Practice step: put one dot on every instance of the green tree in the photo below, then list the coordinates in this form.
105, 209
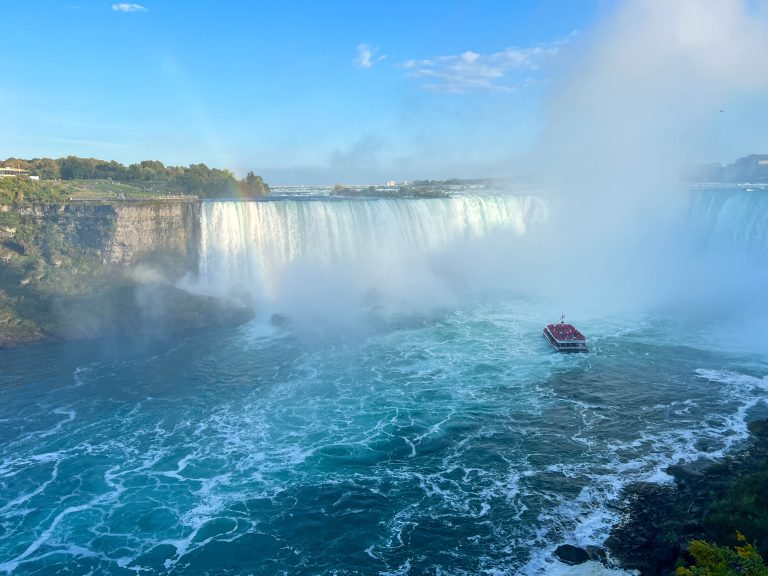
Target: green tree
254, 185
16, 163
45, 168
74, 168
152, 170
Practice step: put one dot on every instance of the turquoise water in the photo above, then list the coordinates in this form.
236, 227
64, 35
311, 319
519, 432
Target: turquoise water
451, 443
406, 420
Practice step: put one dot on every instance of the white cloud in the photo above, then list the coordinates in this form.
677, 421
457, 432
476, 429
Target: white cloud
127, 7
366, 56
474, 71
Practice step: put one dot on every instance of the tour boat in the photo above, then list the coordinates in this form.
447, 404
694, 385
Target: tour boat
565, 337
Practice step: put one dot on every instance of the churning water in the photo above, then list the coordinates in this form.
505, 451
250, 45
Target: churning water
439, 440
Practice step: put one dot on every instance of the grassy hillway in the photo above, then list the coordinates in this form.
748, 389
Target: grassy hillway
16, 192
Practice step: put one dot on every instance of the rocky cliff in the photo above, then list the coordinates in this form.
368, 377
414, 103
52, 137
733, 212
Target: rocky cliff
171, 229
116, 234
84, 270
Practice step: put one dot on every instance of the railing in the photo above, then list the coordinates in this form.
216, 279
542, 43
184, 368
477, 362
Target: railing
123, 198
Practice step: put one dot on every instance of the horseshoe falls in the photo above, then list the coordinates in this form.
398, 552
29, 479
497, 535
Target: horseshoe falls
408, 417
267, 253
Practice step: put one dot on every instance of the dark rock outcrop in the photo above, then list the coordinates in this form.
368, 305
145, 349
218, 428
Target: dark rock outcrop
659, 520
570, 554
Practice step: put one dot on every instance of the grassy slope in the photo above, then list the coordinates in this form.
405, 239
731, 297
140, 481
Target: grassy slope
21, 191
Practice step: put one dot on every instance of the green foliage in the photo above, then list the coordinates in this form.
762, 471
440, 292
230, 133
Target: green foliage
45, 168
9, 219
148, 175
21, 190
72, 167
205, 182
712, 560
423, 191
253, 185
752, 168
388, 192
743, 506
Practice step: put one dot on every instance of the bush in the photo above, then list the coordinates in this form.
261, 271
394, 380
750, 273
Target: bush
712, 560
20, 190
743, 507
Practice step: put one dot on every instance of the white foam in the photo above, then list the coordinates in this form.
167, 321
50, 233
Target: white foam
593, 520
403, 570
11, 565
24, 498
70, 416
589, 568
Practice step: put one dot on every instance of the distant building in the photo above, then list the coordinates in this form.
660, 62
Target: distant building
6, 171
34, 177
762, 162
391, 183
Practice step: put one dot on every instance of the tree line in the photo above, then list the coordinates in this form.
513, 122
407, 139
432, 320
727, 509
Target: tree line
752, 168
195, 179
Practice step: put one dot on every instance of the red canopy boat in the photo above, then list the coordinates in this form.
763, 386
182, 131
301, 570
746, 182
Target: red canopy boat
565, 337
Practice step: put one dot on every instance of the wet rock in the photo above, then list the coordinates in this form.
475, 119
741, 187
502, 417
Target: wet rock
688, 472
612, 542
597, 554
657, 521
569, 554
759, 428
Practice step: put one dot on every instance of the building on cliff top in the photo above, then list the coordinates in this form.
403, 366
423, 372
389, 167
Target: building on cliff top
6, 171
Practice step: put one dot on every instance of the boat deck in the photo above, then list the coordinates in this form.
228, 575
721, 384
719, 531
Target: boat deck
566, 338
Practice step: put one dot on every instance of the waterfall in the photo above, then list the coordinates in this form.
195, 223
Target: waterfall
251, 249
730, 219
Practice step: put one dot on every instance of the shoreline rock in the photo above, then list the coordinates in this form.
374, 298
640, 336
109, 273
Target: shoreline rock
659, 520
571, 555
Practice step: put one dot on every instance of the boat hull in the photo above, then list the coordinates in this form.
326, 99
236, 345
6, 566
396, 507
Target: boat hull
565, 346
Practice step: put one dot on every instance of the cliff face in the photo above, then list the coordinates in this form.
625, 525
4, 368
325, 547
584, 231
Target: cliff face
84, 270
117, 235
140, 231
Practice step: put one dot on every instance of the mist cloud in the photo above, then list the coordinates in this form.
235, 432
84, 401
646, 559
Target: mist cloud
642, 92
638, 97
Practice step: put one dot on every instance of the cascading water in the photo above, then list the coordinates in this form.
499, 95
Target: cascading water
731, 218
726, 273
247, 248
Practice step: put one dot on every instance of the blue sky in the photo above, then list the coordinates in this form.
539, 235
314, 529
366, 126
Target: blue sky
297, 91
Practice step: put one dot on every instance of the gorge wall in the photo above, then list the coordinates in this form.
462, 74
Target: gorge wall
117, 235
84, 270
170, 230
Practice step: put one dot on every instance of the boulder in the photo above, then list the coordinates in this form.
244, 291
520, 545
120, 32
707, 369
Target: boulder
570, 554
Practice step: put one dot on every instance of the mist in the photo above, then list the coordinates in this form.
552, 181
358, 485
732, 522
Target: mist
638, 97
